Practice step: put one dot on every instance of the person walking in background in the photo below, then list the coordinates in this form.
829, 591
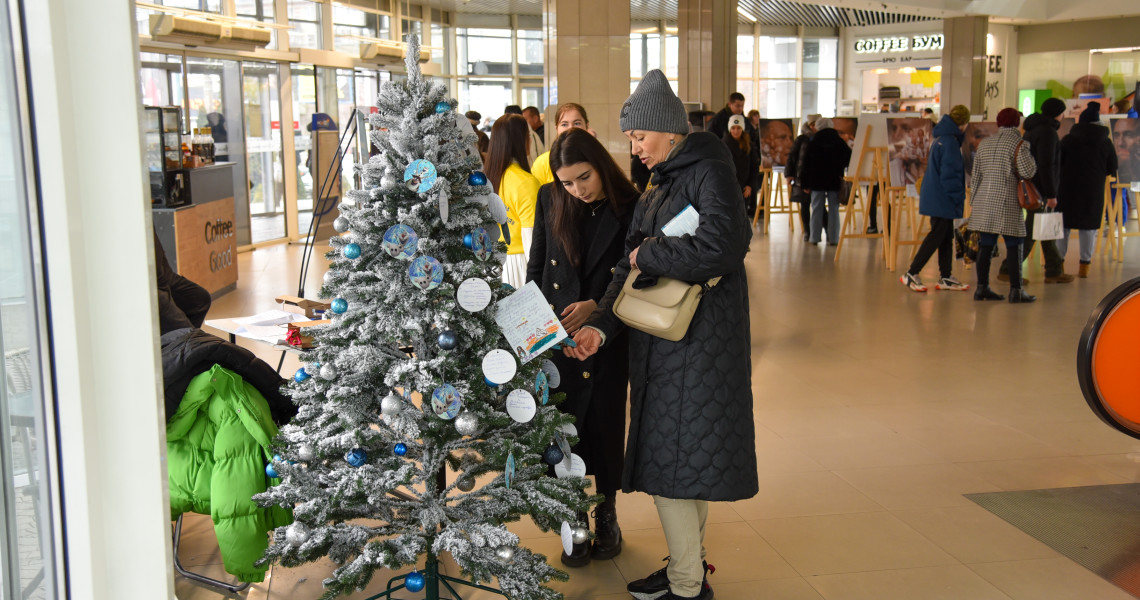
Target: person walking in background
994, 207
942, 198
821, 173
507, 171
1041, 138
793, 173
483, 143
691, 428
568, 115
718, 126
579, 235
746, 159
536, 146
1087, 158
534, 118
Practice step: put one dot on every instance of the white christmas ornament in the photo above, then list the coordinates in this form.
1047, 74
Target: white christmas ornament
340, 224
467, 424
505, 553
305, 452
327, 277
390, 405
296, 534
328, 371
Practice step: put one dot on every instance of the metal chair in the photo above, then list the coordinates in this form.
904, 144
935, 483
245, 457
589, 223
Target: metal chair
229, 587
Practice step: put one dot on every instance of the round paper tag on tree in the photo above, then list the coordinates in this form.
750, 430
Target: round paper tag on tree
575, 468
426, 272
520, 406
420, 176
400, 241
473, 294
552, 374
499, 366
446, 401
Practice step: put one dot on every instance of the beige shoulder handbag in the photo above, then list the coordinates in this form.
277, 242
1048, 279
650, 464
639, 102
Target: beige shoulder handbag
663, 310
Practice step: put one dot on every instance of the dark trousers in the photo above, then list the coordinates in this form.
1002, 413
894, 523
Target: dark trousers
1054, 262
940, 238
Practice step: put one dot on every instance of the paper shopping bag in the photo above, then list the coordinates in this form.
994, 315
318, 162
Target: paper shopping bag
1048, 226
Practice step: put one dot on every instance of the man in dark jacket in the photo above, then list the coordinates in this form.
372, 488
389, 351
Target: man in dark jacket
821, 172
718, 126
942, 198
1041, 137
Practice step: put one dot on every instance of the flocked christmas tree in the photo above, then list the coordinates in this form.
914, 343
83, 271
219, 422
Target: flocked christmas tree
402, 392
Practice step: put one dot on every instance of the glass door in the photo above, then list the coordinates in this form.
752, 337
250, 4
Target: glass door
27, 551
263, 151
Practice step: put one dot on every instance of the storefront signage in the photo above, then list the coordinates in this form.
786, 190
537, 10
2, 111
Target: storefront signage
207, 244
883, 45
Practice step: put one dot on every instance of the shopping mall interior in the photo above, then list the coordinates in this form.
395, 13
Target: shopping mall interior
909, 445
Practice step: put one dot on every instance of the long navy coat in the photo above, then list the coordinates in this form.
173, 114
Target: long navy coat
943, 191
691, 431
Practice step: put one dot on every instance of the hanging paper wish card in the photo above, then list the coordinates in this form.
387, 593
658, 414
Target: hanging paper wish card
528, 323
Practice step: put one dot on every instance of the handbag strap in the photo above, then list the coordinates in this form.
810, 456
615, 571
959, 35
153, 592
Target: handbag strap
710, 284
1015, 153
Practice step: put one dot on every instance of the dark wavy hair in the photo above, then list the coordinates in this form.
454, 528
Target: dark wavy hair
509, 137
575, 146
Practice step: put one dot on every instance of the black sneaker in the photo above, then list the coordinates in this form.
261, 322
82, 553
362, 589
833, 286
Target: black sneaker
706, 594
656, 585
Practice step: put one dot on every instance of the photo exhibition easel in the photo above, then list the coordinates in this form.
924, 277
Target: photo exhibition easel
775, 198
868, 167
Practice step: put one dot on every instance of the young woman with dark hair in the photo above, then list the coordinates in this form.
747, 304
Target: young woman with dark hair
579, 236
506, 170
746, 159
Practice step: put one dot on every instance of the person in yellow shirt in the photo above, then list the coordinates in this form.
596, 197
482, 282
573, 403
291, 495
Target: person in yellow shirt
506, 169
568, 115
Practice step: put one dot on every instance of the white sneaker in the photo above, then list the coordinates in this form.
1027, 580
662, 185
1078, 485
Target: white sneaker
913, 282
951, 283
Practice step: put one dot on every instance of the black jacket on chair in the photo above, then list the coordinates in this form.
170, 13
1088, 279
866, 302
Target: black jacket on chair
691, 430
824, 162
596, 387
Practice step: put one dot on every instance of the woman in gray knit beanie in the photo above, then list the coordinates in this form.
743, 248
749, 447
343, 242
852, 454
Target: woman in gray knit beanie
691, 434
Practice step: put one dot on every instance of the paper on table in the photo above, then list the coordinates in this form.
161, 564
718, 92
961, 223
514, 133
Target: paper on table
685, 222
269, 317
276, 332
528, 323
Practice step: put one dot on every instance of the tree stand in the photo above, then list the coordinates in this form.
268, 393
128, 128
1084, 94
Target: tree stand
432, 579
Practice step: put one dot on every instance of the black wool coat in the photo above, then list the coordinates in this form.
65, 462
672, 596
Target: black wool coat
824, 162
1087, 157
596, 387
747, 164
1041, 136
691, 430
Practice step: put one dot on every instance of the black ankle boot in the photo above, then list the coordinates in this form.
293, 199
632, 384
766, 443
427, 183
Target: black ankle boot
607, 544
983, 291
580, 553
1016, 294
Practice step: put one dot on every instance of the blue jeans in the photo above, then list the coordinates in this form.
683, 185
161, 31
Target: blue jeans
817, 199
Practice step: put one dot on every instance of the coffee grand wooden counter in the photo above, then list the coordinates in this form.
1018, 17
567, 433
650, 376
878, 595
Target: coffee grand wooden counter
200, 239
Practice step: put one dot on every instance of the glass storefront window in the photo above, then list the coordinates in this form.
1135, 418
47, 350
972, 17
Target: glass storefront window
744, 86
819, 96
160, 77
439, 45
777, 98
258, 10
263, 149
533, 94
487, 96
777, 56
412, 26
484, 52
821, 58
213, 6
27, 567
530, 53
349, 22
744, 56
644, 53
672, 57
305, 19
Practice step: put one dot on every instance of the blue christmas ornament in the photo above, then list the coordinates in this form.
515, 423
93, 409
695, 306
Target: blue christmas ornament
352, 251
414, 581
400, 449
477, 178
270, 471
553, 455
490, 384
467, 241
442, 107
356, 457
300, 375
448, 340
339, 306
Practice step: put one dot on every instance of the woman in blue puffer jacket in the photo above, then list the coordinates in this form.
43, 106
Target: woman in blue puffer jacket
942, 198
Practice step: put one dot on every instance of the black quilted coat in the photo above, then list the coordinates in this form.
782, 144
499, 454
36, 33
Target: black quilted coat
691, 433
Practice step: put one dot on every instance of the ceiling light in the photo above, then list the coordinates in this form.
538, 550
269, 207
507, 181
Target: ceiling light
936, 69
907, 70
882, 71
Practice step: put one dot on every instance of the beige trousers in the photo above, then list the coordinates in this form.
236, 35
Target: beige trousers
684, 525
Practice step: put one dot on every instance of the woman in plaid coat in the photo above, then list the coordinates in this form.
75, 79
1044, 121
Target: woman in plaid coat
994, 208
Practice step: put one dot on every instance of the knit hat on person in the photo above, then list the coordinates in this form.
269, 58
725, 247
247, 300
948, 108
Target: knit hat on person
1008, 117
654, 107
960, 115
824, 123
812, 118
1052, 107
736, 121
1091, 113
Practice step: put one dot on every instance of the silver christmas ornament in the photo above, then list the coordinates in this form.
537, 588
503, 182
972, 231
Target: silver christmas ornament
390, 405
296, 534
465, 484
505, 553
467, 424
305, 452
579, 534
387, 181
340, 224
328, 372
327, 278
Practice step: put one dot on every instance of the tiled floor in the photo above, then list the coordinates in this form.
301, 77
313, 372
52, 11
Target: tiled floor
876, 408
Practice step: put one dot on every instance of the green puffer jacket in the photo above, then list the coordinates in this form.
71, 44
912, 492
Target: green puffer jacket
217, 447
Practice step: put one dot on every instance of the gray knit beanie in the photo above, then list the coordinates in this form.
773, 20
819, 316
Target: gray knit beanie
654, 107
